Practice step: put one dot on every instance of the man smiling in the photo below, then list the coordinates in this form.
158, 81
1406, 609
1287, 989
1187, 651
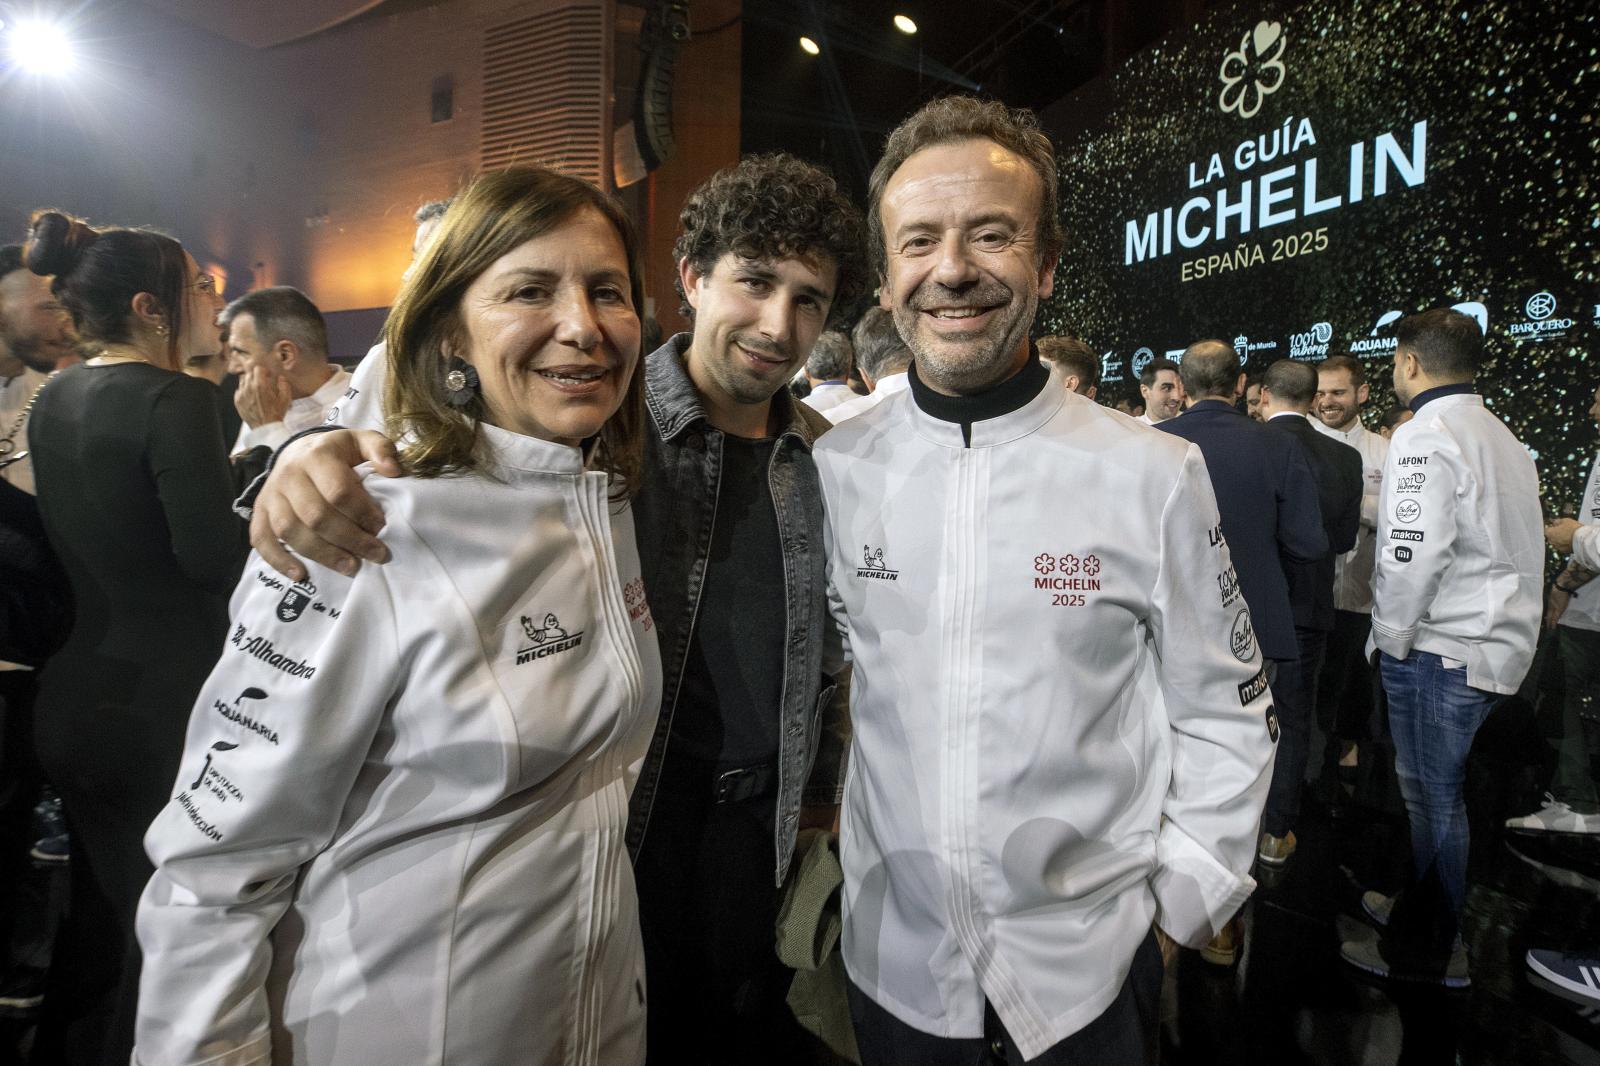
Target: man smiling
1062, 734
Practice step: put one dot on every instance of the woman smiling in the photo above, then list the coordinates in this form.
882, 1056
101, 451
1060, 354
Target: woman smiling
397, 830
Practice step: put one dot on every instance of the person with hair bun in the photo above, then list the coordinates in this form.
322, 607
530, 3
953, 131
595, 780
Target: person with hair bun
135, 494
397, 831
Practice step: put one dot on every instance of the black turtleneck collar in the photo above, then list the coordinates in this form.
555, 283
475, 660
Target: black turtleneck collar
1012, 394
1426, 395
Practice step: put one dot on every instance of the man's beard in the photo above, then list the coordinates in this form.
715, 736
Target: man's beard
980, 358
30, 352
745, 386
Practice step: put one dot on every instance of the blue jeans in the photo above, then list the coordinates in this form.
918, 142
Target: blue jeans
1433, 715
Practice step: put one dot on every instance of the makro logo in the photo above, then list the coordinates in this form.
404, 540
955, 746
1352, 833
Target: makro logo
1312, 345
1253, 71
1541, 323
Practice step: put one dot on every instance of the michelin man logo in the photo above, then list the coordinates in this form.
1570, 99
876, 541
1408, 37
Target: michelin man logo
1254, 72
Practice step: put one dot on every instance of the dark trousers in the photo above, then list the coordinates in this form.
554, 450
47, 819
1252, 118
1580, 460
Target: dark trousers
708, 910
1579, 746
1294, 695
1125, 1033
19, 788
1344, 694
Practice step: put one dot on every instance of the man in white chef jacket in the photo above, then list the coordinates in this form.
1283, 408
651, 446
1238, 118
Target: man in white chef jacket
1455, 614
1063, 734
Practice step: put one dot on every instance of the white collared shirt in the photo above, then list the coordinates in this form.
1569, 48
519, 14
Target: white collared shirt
303, 413
828, 395
1352, 571
886, 387
1062, 728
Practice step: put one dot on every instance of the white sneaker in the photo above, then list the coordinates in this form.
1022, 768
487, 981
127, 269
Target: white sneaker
1555, 817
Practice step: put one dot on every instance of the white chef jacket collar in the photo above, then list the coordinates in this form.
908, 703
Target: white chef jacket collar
513, 453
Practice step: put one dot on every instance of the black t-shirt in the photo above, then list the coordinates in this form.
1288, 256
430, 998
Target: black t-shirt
728, 705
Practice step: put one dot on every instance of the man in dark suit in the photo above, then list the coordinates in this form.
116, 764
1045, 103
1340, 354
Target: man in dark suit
1287, 391
1267, 496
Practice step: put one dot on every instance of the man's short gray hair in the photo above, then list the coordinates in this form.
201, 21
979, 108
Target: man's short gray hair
831, 358
880, 351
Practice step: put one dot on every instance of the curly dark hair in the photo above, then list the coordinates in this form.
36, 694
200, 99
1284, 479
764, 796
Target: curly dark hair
774, 207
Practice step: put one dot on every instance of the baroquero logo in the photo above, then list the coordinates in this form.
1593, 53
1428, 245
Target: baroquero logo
1541, 323
1254, 71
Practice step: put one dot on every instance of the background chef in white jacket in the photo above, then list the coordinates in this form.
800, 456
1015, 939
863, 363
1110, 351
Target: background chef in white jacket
397, 835
1062, 732
1455, 615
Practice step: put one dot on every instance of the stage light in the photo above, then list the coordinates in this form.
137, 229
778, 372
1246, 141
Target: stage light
42, 47
904, 24
809, 47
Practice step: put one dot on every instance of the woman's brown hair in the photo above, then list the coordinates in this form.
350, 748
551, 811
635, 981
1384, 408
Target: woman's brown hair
98, 272
488, 219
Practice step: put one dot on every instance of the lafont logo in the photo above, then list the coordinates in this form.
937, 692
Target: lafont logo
1254, 71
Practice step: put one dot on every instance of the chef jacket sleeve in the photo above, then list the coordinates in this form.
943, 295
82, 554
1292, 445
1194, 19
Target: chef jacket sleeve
1586, 547
1219, 717
275, 741
1416, 533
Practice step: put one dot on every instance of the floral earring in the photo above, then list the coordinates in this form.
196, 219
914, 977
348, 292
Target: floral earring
461, 385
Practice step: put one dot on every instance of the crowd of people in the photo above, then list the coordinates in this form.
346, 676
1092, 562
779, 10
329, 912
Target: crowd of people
509, 698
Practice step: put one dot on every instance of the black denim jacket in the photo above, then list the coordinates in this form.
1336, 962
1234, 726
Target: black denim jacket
673, 513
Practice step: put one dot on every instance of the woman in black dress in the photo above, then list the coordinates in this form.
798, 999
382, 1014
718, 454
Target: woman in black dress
135, 492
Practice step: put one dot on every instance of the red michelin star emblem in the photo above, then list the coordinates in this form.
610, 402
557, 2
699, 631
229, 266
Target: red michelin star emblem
1045, 563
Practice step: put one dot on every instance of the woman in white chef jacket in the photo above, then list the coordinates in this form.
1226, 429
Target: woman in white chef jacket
397, 832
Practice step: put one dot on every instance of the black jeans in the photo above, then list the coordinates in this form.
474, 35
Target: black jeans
708, 910
1125, 1033
1294, 694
